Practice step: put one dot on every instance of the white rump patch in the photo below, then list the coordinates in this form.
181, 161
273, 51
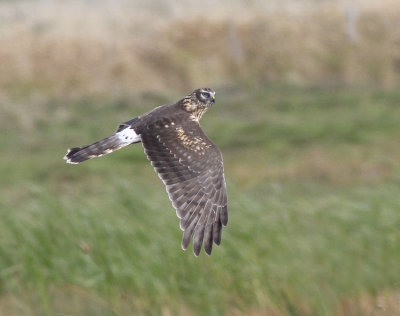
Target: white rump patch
128, 136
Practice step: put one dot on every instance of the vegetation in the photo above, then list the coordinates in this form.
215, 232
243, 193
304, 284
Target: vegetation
307, 118
313, 179
70, 48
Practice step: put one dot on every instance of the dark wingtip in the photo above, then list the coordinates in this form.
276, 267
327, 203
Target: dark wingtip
185, 243
217, 232
208, 248
197, 247
208, 240
224, 215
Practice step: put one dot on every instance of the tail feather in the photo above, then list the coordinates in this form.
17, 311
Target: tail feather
102, 147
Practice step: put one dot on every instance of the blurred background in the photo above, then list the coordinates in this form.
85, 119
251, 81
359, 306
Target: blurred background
307, 117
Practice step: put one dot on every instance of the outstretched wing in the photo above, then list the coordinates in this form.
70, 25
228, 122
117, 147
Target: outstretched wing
191, 167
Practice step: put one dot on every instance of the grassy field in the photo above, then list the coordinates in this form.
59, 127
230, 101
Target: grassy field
312, 164
314, 182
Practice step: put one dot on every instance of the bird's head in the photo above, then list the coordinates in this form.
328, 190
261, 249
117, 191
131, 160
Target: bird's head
199, 101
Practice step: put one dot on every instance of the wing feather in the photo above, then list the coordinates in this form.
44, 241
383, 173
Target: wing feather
208, 232
191, 168
198, 233
217, 229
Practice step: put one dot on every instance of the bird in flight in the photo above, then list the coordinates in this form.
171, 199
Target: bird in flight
186, 160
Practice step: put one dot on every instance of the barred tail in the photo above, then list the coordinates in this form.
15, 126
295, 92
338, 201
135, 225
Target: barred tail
102, 147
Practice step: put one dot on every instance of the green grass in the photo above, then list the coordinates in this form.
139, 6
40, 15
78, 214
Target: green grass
314, 183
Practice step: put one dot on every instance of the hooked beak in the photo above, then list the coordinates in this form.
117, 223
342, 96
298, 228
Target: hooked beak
213, 98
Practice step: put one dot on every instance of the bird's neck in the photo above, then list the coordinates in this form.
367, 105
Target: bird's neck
194, 109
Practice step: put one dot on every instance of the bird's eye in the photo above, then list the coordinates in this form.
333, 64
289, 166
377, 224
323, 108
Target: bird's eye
205, 95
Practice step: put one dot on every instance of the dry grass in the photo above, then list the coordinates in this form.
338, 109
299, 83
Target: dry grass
75, 47
383, 304
72, 300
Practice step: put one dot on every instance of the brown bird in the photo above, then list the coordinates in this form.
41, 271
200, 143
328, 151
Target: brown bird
186, 160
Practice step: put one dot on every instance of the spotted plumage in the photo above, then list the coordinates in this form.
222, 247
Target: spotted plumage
186, 160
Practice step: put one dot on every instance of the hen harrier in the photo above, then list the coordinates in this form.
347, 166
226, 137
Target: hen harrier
186, 160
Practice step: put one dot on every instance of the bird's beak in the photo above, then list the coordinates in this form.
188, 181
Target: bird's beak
213, 99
